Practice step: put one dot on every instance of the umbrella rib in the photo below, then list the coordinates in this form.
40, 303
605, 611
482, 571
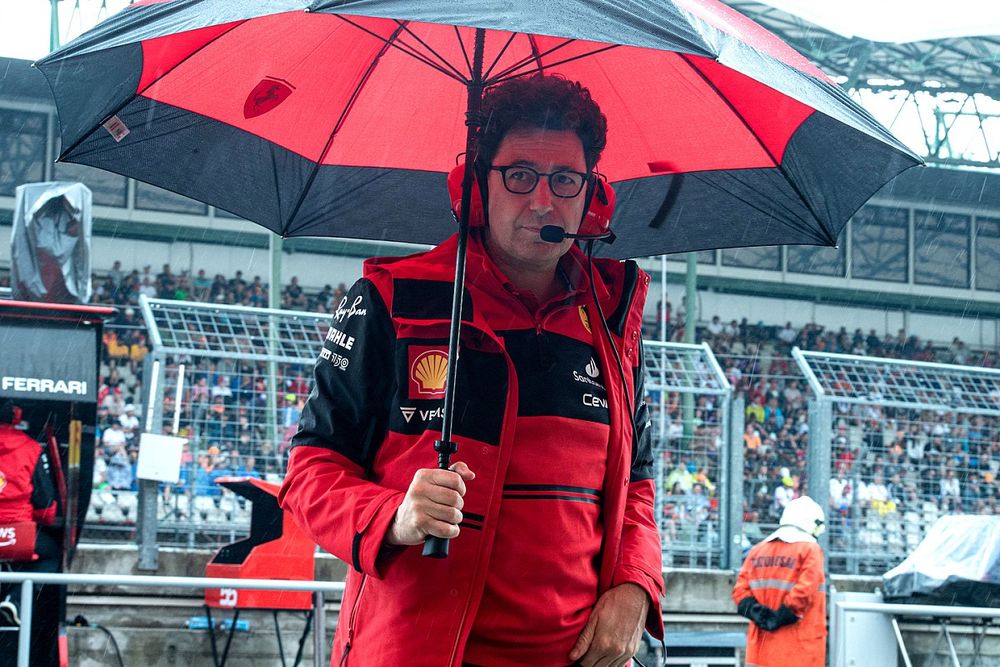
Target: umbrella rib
535, 52
461, 46
405, 48
336, 128
509, 72
444, 61
527, 59
486, 75
830, 238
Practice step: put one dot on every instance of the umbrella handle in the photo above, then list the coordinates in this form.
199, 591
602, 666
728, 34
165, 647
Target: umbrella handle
437, 547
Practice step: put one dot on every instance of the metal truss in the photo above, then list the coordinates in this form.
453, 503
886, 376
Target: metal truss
845, 378
234, 332
684, 367
947, 84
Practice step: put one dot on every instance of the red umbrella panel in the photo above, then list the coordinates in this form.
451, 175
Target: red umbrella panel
344, 121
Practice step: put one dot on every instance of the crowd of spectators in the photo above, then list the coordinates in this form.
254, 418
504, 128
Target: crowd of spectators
888, 463
120, 288
895, 470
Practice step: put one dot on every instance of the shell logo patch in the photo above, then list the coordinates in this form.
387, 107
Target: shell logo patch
3, 481
428, 372
585, 319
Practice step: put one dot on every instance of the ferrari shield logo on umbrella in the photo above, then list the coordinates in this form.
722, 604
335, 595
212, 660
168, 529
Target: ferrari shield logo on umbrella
265, 96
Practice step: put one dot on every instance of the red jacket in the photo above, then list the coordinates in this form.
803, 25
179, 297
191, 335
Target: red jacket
779, 573
373, 416
26, 489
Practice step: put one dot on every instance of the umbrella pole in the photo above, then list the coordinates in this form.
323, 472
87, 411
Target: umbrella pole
437, 547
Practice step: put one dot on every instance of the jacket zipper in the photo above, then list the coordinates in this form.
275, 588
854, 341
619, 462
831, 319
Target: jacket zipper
511, 407
354, 615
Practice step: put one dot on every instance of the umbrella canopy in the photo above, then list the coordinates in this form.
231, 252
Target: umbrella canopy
344, 120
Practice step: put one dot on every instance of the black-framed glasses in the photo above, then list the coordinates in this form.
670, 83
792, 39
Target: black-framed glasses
521, 180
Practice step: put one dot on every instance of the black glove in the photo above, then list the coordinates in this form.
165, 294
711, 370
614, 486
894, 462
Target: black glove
760, 614
784, 616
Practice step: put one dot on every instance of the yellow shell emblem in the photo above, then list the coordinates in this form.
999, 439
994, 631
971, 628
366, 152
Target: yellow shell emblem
429, 371
585, 319
3, 481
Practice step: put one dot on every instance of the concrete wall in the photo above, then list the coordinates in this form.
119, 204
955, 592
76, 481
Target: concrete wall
149, 625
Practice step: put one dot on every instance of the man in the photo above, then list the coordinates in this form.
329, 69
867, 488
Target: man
27, 503
781, 589
554, 553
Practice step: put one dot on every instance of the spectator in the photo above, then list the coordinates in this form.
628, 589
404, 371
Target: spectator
130, 424
788, 334
113, 436
120, 470
950, 487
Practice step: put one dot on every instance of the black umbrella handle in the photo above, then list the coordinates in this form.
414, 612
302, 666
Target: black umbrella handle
437, 547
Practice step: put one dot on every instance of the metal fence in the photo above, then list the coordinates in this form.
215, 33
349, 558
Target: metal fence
28, 580
698, 499
899, 443
232, 380
773, 432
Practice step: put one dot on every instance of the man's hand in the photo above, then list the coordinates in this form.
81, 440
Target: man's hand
432, 505
611, 636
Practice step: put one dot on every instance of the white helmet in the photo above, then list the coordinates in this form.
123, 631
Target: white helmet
806, 515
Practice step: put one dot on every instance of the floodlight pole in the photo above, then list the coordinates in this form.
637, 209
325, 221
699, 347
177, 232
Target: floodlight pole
275, 248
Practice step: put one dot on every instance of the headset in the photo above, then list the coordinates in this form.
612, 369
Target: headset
596, 224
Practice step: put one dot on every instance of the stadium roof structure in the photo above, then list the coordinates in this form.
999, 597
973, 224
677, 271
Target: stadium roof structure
917, 385
967, 67
235, 332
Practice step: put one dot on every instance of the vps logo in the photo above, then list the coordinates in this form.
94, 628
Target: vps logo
428, 372
8, 536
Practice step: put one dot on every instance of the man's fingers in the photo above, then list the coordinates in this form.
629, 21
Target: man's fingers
443, 478
445, 513
441, 495
583, 641
463, 470
441, 529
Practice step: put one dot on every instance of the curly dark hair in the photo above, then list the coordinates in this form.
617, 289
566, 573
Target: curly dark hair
542, 101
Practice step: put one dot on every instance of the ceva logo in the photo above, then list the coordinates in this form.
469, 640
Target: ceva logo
8, 536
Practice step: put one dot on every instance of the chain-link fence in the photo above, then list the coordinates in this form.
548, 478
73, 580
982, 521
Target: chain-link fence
690, 404
908, 442
774, 432
232, 381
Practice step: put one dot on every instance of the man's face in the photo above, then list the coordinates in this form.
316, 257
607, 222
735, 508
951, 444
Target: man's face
515, 220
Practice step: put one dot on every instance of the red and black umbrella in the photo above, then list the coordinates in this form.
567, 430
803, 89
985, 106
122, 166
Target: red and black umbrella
343, 120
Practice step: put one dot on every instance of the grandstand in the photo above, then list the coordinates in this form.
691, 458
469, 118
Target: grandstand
916, 278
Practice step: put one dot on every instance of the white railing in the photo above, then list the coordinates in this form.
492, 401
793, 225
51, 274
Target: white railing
28, 580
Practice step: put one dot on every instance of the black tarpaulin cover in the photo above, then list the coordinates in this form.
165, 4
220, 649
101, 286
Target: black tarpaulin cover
957, 563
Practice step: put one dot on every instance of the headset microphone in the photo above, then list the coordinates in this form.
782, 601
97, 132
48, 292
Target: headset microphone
555, 234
